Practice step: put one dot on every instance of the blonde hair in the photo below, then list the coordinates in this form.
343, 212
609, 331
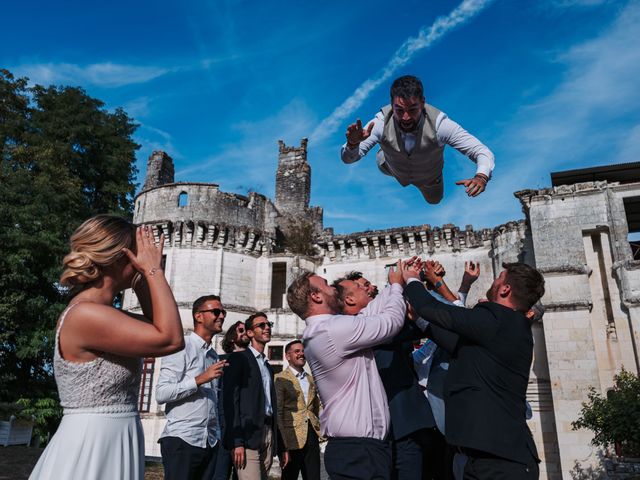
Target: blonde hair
97, 243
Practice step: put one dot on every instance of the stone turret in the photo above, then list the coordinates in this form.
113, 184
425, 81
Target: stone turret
160, 170
293, 179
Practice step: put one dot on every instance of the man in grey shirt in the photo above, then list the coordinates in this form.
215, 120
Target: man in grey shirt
412, 135
189, 385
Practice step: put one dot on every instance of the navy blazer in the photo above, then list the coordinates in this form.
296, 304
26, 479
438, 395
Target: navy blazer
244, 401
408, 407
485, 390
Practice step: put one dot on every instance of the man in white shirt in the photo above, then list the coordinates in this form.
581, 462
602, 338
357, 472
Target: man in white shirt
298, 411
412, 135
188, 384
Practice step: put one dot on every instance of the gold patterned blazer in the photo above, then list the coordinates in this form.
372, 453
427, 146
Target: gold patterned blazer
293, 413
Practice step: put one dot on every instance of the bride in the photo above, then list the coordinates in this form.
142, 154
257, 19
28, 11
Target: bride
98, 350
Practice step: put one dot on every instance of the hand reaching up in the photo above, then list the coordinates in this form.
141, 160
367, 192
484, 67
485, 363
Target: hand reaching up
356, 134
395, 274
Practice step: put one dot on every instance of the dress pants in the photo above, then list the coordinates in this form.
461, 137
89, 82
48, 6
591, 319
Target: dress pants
182, 461
437, 459
355, 458
305, 459
224, 465
481, 466
258, 462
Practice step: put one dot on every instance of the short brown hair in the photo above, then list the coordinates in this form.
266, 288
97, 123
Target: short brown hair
527, 284
291, 344
298, 293
199, 302
248, 323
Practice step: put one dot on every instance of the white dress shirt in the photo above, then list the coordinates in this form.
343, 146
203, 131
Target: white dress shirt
192, 411
303, 381
448, 132
266, 380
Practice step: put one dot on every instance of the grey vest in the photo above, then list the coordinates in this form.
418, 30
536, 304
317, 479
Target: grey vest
424, 164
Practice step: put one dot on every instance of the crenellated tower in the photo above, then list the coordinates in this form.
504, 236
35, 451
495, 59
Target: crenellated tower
293, 179
160, 170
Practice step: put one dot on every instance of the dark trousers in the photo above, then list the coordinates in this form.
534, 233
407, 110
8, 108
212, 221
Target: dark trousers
182, 461
224, 465
420, 456
489, 467
305, 459
352, 458
437, 455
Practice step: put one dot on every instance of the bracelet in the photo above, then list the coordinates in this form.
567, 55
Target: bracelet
152, 271
351, 146
482, 177
438, 284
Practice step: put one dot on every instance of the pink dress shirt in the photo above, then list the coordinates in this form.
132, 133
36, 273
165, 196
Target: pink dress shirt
338, 349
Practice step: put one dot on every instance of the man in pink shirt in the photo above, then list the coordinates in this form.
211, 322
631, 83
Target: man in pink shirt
338, 348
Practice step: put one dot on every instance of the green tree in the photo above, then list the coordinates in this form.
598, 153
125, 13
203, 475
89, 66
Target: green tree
63, 158
614, 419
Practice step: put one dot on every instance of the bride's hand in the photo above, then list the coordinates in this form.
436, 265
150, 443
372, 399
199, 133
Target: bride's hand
148, 256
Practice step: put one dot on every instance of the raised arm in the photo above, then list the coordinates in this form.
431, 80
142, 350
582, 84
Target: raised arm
98, 327
476, 325
361, 139
354, 333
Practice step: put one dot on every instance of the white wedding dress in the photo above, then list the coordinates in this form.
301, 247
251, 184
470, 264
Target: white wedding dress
100, 435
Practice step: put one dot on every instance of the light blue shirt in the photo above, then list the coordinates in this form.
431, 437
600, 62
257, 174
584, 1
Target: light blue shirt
266, 380
192, 411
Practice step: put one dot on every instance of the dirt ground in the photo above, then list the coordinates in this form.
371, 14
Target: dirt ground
16, 463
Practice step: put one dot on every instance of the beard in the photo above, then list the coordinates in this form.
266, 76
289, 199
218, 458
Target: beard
242, 341
409, 126
492, 293
335, 303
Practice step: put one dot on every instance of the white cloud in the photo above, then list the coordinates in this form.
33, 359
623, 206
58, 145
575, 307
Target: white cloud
108, 75
426, 37
251, 162
590, 118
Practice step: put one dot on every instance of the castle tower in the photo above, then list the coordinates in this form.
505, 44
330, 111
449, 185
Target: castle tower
159, 170
293, 179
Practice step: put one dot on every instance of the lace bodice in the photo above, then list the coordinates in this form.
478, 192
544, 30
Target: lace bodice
110, 383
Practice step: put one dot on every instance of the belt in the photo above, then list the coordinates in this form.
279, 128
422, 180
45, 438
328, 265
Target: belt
268, 420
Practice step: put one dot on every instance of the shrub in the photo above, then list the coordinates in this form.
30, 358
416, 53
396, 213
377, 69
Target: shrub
614, 419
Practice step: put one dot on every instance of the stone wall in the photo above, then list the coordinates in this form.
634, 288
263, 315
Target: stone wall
579, 234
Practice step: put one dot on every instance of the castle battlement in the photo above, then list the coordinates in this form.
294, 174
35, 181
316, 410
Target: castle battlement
403, 241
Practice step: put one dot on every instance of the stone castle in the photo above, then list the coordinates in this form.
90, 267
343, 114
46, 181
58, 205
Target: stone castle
247, 249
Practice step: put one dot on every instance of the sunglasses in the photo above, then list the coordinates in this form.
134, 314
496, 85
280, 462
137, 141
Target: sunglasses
216, 311
263, 325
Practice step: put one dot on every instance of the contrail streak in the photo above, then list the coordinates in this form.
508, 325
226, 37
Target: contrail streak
426, 37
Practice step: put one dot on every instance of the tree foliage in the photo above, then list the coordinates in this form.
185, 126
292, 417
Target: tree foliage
614, 419
63, 158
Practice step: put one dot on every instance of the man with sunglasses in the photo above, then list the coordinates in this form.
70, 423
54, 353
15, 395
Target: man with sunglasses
251, 430
412, 135
189, 385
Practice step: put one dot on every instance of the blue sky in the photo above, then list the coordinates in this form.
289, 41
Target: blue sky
548, 85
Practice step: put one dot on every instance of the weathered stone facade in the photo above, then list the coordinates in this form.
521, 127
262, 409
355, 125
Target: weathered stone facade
236, 246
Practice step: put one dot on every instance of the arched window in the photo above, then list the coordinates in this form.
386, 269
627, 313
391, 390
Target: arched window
183, 199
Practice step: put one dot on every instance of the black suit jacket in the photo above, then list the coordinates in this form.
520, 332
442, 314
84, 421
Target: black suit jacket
244, 401
408, 407
485, 390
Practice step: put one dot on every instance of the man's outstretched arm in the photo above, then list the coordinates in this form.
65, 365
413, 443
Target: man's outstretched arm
361, 139
472, 324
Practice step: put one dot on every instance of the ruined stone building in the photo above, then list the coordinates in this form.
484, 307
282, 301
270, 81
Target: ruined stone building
247, 249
